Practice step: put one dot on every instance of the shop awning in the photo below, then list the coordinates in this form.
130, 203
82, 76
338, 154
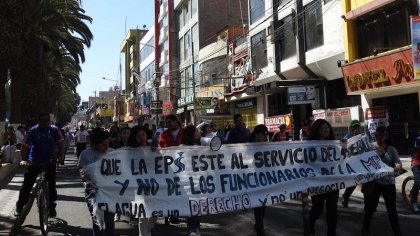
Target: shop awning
265, 80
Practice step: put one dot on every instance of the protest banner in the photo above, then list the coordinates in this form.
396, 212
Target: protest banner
193, 180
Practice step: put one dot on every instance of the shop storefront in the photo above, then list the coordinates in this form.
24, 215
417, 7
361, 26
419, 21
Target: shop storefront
388, 81
248, 109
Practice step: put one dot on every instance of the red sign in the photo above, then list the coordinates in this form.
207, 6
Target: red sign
167, 108
377, 72
375, 113
274, 122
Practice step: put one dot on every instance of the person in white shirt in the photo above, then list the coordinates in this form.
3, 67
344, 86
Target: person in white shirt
20, 135
81, 139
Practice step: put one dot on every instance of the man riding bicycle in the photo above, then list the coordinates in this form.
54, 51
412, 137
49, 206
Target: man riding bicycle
37, 154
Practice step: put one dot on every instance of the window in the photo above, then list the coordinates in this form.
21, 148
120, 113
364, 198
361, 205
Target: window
147, 49
284, 34
194, 38
183, 84
314, 32
386, 28
181, 19
259, 50
257, 10
187, 45
181, 49
194, 7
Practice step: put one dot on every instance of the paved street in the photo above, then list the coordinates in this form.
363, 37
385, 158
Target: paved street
73, 216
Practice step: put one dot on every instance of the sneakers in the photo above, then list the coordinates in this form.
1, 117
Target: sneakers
117, 217
53, 213
415, 207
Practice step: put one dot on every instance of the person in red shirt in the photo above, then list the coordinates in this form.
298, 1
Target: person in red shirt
415, 167
173, 135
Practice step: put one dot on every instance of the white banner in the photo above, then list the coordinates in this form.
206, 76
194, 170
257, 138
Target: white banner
186, 181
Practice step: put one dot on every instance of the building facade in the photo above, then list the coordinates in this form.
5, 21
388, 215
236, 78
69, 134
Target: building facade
203, 44
130, 47
379, 65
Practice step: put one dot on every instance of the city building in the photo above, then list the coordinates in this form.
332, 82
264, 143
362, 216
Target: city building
379, 65
130, 47
294, 47
146, 89
202, 39
101, 108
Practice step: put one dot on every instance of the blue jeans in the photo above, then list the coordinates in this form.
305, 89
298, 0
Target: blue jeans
416, 186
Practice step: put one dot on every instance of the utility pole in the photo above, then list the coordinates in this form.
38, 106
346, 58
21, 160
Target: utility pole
193, 82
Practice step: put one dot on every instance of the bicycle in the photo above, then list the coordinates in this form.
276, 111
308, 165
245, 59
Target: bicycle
407, 185
40, 193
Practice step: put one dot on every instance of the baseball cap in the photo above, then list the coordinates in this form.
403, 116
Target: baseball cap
354, 123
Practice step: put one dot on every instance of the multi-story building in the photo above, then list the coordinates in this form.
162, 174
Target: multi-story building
379, 66
146, 89
130, 49
102, 108
199, 24
294, 47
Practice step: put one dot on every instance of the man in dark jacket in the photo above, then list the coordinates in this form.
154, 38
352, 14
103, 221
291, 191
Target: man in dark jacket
239, 133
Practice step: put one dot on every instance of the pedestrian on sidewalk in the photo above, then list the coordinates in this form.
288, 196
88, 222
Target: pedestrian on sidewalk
415, 167
259, 134
100, 147
322, 130
384, 185
41, 143
354, 129
239, 133
81, 139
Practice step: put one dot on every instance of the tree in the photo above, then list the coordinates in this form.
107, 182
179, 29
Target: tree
51, 31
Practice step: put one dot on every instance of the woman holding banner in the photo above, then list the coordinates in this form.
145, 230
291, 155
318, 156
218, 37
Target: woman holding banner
100, 146
138, 139
322, 130
260, 134
192, 137
384, 185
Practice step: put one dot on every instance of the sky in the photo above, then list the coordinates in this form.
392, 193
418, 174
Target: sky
108, 28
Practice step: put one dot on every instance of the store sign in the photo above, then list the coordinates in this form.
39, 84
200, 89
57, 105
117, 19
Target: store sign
167, 108
273, 123
179, 110
375, 117
212, 91
336, 117
146, 110
301, 95
381, 71
415, 41
156, 107
245, 104
185, 100
203, 103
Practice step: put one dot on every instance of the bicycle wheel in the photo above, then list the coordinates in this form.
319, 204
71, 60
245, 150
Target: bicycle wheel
43, 208
407, 185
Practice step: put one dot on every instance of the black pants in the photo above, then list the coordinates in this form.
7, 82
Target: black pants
28, 182
371, 202
349, 191
79, 148
259, 213
193, 223
318, 202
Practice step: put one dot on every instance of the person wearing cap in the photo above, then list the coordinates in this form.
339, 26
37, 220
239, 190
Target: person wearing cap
259, 134
354, 129
81, 139
415, 167
40, 142
384, 186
